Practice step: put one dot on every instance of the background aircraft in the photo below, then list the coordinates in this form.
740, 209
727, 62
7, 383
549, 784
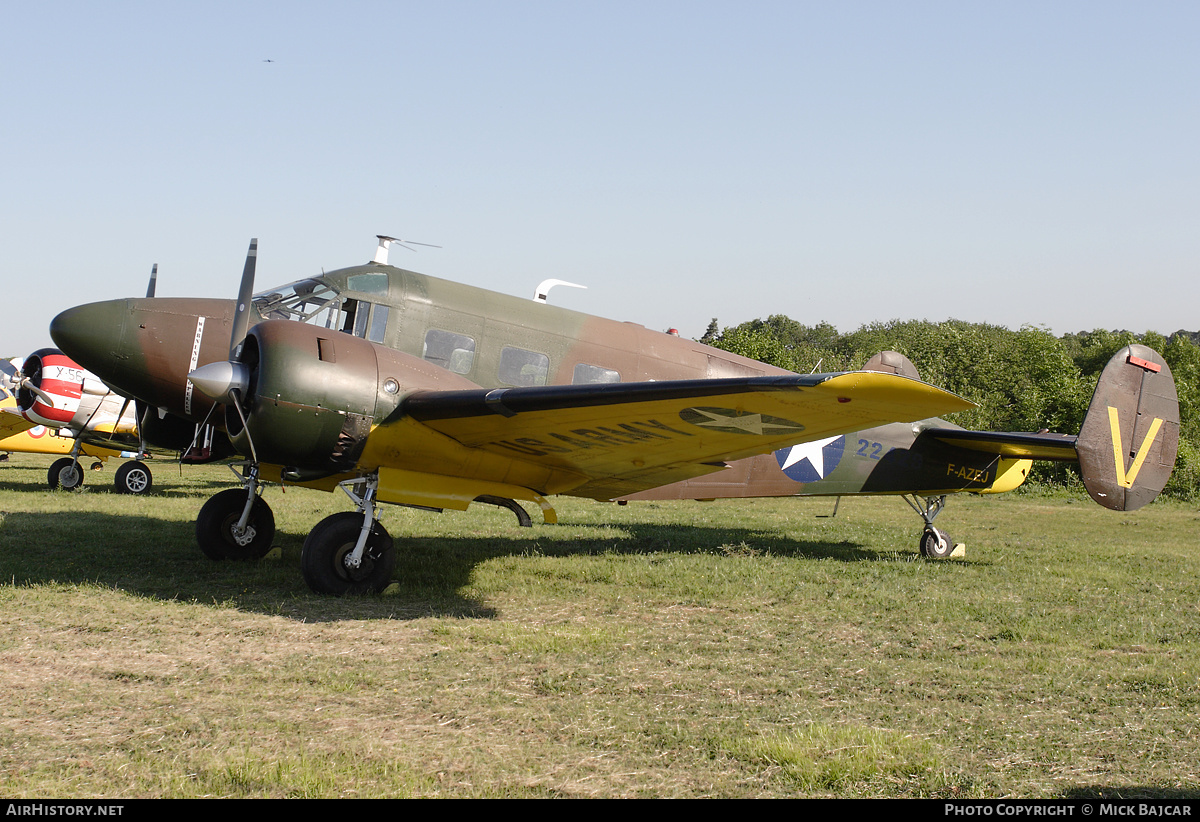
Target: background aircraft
403, 388
53, 406
18, 435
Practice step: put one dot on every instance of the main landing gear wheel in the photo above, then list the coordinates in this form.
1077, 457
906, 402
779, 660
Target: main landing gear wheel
133, 478
65, 473
936, 544
217, 522
327, 554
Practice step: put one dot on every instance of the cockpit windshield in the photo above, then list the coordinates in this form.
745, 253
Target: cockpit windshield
306, 301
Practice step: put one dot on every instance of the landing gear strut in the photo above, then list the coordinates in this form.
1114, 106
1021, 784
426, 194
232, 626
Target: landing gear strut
350, 552
935, 543
237, 523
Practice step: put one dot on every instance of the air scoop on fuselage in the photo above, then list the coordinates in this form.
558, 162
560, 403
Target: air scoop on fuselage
145, 348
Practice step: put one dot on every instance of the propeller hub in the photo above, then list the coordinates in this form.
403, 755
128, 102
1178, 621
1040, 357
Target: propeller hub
218, 380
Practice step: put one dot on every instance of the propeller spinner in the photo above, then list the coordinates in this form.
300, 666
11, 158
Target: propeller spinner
220, 380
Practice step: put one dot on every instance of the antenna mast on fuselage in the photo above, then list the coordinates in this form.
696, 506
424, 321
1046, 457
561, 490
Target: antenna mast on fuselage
385, 243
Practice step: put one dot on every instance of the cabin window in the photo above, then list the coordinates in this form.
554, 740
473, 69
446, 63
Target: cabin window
379, 318
454, 352
593, 373
376, 283
361, 317
309, 301
521, 367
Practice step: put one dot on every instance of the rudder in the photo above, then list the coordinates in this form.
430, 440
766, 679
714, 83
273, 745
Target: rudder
1130, 436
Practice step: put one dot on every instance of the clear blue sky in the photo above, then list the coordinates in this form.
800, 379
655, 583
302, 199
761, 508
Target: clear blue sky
1009, 162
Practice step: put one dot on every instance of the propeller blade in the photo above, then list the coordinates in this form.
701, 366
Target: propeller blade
241, 312
153, 281
26, 384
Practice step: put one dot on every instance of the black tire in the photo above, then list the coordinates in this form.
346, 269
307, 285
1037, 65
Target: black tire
133, 478
65, 473
327, 546
936, 544
216, 520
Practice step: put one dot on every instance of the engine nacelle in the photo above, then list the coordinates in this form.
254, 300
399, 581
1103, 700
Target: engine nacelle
314, 394
61, 382
53, 390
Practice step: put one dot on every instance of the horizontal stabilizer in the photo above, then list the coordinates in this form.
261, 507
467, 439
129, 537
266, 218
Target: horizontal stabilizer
1015, 445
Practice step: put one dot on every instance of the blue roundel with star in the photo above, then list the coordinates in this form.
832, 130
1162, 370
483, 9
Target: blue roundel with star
811, 461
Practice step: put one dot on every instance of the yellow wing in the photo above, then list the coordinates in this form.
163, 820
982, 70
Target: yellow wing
604, 441
12, 423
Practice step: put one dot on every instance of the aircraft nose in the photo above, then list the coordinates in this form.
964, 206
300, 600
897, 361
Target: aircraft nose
91, 334
144, 348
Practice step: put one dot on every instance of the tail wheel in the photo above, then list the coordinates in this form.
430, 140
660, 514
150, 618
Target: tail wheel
65, 473
936, 544
216, 527
326, 557
133, 478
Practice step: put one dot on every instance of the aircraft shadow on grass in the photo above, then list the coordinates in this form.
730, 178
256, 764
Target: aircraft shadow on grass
146, 556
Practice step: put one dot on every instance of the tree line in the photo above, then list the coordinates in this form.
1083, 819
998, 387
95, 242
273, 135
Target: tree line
1023, 380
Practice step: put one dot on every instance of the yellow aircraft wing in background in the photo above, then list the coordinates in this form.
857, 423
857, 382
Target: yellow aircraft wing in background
19, 435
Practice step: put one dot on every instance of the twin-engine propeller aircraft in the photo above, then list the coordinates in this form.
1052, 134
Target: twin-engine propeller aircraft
403, 388
1126, 449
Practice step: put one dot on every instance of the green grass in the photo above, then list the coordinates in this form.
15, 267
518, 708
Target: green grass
670, 650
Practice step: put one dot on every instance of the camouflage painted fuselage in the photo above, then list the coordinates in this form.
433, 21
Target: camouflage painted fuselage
472, 337
146, 347
890, 459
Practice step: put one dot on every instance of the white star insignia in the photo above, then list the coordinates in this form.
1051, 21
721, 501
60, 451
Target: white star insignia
811, 451
750, 423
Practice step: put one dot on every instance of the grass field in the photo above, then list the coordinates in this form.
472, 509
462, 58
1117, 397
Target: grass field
668, 650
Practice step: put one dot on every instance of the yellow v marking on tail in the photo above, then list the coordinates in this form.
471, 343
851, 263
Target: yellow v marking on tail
1125, 479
